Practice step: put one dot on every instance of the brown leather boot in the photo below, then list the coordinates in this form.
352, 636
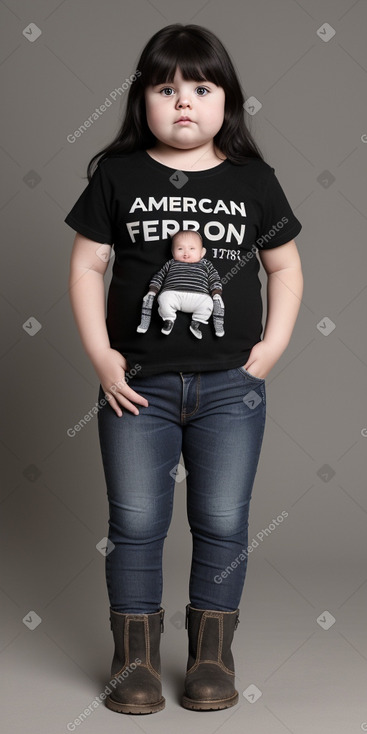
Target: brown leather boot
209, 681
135, 685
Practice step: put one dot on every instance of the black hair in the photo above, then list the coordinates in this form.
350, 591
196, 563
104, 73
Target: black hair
200, 55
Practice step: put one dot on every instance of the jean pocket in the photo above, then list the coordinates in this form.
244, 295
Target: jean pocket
247, 374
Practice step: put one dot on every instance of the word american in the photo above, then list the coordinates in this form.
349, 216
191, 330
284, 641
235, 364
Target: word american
213, 230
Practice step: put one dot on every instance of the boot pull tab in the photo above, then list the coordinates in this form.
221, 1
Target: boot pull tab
187, 615
162, 618
237, 621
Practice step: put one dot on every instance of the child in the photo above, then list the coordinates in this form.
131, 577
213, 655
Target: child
185, 288
183, 159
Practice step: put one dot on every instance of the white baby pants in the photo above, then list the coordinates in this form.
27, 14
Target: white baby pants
199, 304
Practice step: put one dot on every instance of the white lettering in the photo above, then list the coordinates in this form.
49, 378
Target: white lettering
184, 204
138, 204
237, 235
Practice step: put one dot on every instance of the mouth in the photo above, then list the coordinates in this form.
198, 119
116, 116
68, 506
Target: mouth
183, 120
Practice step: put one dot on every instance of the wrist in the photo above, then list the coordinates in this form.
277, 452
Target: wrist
97, 354
277, 346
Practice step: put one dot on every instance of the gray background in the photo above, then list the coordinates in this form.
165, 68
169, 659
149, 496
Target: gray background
312, 128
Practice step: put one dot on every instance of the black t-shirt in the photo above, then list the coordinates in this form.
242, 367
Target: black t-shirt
135, 204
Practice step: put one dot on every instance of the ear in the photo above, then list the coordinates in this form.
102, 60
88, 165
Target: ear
203, 251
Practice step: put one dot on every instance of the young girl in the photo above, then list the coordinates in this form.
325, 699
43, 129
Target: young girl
183, 159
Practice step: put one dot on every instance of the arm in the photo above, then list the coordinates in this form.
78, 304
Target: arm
87, 297
215, 285
158, 279
284, 294
87, 294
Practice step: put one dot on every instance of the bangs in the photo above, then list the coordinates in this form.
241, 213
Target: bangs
195, 63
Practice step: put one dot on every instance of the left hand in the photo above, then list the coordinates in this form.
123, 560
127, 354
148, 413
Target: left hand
262, 358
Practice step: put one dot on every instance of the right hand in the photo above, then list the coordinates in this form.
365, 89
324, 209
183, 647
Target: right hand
110, 366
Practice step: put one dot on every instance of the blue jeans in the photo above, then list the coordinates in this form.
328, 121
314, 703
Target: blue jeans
217, 420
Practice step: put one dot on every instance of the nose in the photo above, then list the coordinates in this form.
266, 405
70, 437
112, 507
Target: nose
183, 101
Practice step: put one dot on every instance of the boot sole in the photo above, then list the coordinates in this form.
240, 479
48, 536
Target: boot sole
223, 703
134, 708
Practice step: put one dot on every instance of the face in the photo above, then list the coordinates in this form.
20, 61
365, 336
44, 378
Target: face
202, 102
188, 249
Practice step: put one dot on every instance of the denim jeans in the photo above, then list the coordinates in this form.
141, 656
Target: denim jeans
216, 420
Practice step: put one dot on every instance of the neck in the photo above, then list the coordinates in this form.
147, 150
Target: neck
199, 158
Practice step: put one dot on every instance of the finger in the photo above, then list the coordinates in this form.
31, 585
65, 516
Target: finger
114, 404
127, 404
124, 394
119, 400
130, 403
133, 395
